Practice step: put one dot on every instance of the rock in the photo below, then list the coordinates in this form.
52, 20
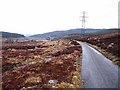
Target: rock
52, 82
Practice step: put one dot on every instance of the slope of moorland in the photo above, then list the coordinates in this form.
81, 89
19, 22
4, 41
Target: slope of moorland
108, 42
59, 34
33, 65
10, 35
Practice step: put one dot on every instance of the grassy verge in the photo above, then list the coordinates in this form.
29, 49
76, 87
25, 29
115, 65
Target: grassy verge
79, 61
108, 55
76, 79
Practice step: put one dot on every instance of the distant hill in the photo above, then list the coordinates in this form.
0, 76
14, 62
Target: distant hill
10, 35
59, 34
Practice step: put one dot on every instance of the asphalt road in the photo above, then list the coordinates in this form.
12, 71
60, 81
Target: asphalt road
97, 71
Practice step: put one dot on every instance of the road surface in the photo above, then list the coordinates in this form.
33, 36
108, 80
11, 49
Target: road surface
97, 71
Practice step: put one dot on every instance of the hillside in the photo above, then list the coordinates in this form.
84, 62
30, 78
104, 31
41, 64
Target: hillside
108, 44
59, 34
10, 35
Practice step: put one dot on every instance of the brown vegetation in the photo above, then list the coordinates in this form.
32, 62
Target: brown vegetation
32, 65
109, 43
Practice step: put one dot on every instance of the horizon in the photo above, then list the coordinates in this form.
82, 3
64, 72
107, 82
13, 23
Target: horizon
27, 35
38, 17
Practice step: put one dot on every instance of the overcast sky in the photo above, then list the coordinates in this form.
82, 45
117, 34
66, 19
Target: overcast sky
40, 16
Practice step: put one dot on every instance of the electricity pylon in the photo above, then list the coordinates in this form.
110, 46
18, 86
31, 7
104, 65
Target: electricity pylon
83, 21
